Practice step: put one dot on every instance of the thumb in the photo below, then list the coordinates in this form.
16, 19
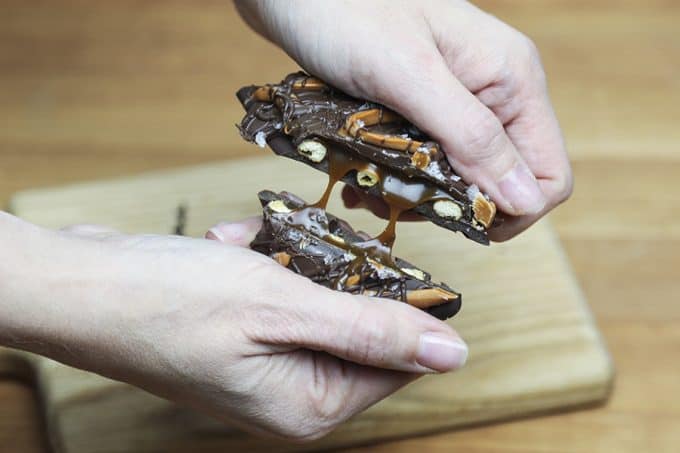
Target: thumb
369, 331
473, 138
235, 233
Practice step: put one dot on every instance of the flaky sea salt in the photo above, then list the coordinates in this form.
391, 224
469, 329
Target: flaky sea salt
348, 256
392, 154
435, 170
385, 273
472, 192
261, 139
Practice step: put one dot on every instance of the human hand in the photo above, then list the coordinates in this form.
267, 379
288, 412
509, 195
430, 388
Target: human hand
472, 82
216, 326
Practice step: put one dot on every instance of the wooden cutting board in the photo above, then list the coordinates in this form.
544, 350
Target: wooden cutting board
533, 345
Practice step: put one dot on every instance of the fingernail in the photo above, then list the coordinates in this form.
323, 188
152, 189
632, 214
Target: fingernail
215, 235
441, 352
520, 188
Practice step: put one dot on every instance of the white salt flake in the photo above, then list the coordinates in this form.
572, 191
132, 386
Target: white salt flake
392, 154
435, 170
348, 256
472, 192
385, 273
360, 124
261, 139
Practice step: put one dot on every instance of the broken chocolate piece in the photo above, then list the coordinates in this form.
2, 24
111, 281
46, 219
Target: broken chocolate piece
325, 249
366, 146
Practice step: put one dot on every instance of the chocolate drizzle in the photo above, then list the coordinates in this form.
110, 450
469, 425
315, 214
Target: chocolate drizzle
324, 248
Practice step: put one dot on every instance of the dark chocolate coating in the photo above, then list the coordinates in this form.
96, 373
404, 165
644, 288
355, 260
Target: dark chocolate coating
298, 115
327, 263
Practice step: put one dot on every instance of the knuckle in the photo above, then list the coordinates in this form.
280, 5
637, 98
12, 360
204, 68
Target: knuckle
388, 84
365, 81
529, 47
501, 68
530, 58
483, 136
380, 87
564, 189
369, 338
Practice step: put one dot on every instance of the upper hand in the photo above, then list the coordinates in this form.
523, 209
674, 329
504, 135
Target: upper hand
472, 82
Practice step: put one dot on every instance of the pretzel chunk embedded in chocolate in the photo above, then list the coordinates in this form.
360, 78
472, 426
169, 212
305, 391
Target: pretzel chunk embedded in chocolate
367, 146
325, 249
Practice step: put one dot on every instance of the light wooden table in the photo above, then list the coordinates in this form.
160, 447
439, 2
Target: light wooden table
98, 89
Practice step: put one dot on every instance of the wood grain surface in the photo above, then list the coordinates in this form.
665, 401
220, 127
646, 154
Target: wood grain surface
94, 89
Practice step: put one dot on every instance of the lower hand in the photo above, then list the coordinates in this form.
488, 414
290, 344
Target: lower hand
216, 326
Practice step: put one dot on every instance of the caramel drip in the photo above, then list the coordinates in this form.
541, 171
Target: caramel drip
388, 236
399, 193
339, 164
323, 201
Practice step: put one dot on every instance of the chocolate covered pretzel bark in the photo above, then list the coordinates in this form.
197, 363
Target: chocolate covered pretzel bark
325, 249
366, 146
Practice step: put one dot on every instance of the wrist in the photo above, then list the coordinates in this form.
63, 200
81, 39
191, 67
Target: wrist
20, 280
41, 272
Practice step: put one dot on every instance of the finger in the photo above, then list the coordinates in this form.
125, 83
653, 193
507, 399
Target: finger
536, 133
235, 233
368, 331
473, 137
90, 231
512, 226
354, 199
